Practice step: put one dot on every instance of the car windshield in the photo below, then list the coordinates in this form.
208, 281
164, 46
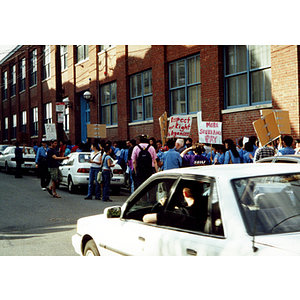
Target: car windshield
269, 204
84, 158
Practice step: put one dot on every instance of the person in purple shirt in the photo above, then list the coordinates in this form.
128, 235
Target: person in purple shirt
194, 160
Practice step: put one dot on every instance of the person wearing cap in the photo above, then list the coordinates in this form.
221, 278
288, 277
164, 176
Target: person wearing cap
41, 164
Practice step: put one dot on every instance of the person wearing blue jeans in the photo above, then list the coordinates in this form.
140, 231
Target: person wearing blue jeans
107, 163
95, 161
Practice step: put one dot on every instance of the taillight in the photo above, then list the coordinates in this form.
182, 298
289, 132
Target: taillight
118, 171
83, 170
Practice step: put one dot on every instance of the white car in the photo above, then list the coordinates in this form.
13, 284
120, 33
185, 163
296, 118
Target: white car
8, 161
245, 209
76, 168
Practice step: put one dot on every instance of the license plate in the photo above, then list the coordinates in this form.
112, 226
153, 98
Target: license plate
27, 166
113, 179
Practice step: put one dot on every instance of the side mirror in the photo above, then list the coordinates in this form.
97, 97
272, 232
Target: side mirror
112, 212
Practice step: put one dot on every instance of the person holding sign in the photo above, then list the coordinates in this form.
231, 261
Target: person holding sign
287, 146
194, 160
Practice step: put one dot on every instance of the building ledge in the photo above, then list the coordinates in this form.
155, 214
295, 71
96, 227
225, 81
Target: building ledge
246, 108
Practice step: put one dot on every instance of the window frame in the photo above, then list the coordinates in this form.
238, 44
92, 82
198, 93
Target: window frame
13, 81
110, 104
64, 57
4, 85
143, 96
46, 62
5, 133
14, 126
85, 53
186, 85
33, 67
22, 69
23, 121
248, 72
35, 121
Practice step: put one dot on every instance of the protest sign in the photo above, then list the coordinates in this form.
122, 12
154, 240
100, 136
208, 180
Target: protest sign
50, 132
163, 123
179, 127
266, 129
96, 130
210, 132
281, 117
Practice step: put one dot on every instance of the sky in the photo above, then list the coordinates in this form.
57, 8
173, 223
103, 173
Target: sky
5, 49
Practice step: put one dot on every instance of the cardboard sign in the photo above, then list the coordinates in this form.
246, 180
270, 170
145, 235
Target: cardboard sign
96, 130
179, 127
210, 132
282, 119
163, 123
50, 132
266, 129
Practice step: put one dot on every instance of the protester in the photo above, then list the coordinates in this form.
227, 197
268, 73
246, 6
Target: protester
179, 145
262, 152
68, 148
19, 159
171, 158
249, 154
231, 155
287, 143
197, 159
144, 160
53, 164
35, 147
41, 164
62, 148
130, 165
297, 148
107, 163
95, 161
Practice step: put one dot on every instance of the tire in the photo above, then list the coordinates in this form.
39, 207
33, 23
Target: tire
90, 249
71, 186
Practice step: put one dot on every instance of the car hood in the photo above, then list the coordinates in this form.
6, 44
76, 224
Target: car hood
287, 242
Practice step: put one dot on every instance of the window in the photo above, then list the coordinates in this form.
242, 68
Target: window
5, 134
46, 62
47, 114
104, 47
33, 67
64, 57
35, 119
109, 113
82, 52
13, 81
4, 85
185, 86
22, 74
247, 75
14, 127
66, 119
141, 96
23, 120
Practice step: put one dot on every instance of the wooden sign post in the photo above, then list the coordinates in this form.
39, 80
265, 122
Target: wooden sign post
163, 123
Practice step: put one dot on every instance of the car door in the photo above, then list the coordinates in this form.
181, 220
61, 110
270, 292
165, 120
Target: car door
130, 235
66, 168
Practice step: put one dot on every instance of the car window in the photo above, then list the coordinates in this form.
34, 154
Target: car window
269, 204
83, 158
150, 200
194, 206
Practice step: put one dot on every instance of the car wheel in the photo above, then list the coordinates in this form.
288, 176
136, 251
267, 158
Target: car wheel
90, 249
7, 170
71, 186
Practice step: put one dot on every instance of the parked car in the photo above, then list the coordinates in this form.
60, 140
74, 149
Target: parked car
8, 161
3, 147
244, 209
76, 168
292, 159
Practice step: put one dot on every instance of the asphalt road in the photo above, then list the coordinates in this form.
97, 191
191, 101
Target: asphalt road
32, 223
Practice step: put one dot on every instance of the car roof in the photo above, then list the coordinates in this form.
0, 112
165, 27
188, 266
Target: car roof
237, 170
291, 157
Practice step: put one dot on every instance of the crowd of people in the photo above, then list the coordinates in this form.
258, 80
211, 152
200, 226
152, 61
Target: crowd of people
141, 158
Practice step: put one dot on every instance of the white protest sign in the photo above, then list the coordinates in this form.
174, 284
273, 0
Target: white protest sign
179, 127
210, 132
50, 132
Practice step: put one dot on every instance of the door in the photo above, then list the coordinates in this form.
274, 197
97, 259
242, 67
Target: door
85, 117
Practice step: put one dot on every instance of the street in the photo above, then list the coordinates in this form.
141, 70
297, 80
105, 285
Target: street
33, 223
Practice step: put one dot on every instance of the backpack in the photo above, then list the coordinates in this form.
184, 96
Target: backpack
144, 162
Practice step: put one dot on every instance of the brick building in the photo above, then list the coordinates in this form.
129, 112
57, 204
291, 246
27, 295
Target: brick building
132, 86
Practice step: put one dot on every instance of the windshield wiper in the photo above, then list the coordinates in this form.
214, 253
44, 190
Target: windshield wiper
290, 217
